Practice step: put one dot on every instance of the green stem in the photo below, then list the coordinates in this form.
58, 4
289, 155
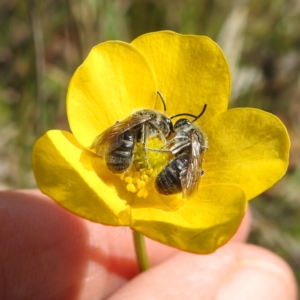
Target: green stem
140, 250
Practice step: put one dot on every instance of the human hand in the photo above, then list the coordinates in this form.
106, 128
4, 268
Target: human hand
48, 253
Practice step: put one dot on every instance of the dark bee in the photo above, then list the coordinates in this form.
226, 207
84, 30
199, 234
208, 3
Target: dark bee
183, 173
116, 144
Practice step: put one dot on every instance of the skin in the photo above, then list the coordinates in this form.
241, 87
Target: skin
48, 253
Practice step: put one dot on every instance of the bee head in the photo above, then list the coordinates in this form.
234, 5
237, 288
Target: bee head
182, 123
165, 125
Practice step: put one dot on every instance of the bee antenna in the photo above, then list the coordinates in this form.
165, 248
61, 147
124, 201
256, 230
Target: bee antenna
202, 112
162, 100
178, 115
190, 115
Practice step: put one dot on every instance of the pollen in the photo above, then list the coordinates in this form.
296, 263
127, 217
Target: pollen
146, 165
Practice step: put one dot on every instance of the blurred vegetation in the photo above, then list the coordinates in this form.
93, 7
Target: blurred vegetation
43, 42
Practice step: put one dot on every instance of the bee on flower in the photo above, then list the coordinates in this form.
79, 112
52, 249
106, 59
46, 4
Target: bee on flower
248, 148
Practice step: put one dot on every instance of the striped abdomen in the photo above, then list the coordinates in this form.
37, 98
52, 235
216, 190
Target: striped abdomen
119, 160
168, 180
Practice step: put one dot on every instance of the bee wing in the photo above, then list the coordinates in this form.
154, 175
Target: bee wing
112, 137
190, 179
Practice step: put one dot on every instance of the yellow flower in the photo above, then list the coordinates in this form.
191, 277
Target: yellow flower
248, 148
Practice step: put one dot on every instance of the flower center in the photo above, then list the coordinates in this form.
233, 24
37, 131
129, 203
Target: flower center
145, 167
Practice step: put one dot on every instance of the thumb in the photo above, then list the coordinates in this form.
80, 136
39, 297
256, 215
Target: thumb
236, 271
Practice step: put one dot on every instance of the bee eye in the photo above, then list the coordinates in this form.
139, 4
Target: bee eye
170, 126
181, 123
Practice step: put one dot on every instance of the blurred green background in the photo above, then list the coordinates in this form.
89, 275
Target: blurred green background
43, 42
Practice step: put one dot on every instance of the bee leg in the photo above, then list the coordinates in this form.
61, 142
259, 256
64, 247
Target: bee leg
144, 141
158, 150
180, 146
160, 133
162, 137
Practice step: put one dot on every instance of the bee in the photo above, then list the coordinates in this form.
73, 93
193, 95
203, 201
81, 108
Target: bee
184, 172
116, 144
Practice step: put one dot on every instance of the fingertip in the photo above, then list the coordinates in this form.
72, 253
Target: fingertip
259, 274
235, 271
243, 232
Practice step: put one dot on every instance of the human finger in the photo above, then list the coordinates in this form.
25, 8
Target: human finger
235, 271
45, 239
49, 253
243, 231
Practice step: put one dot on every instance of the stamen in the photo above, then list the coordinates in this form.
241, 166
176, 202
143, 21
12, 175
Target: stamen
139, 178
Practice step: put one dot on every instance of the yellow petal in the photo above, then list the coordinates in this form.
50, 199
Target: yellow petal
60, 175
247, 147
114, 80
190, 71
203, 224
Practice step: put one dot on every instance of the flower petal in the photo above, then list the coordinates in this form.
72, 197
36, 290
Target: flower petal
190, 71
247, 147
60, 175
114, 80
206, 221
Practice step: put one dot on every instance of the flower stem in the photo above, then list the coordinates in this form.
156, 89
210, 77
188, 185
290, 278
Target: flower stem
140, 250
